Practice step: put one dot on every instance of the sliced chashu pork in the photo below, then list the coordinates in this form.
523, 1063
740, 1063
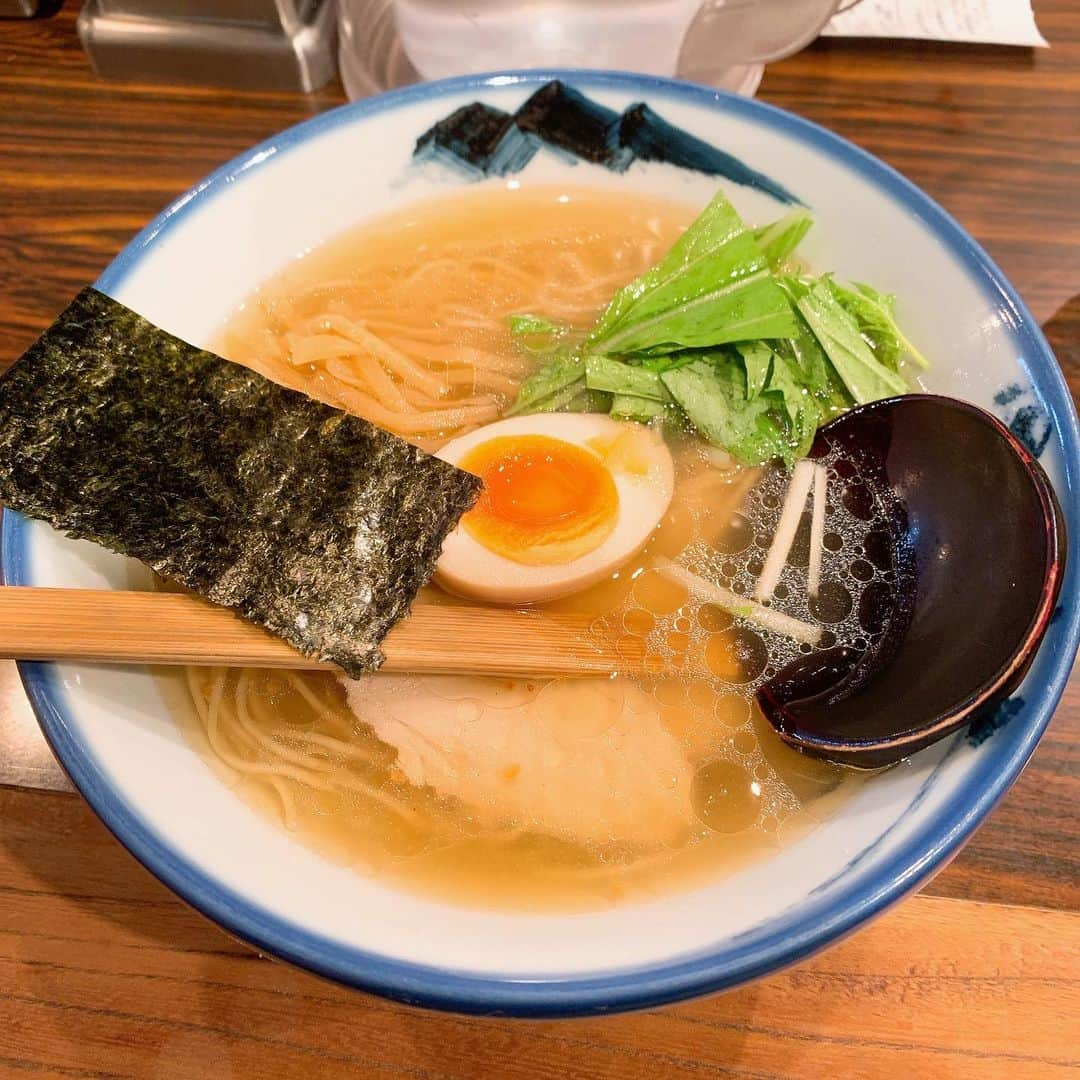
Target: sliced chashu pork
587, 760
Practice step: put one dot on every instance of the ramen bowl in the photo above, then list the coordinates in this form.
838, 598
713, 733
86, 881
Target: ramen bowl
112, 727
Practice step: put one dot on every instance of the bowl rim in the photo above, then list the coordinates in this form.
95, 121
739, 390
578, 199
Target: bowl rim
837, 907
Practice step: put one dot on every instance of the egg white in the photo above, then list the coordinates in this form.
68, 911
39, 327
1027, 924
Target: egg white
467, 568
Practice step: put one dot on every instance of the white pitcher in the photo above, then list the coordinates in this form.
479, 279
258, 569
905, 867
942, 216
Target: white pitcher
656, 37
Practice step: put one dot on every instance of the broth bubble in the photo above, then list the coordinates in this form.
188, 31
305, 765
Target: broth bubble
659, 594
737, 537
725, 797
714, 619
874, 606
878, 549
832, 604
862, 570
858, 501
732, 710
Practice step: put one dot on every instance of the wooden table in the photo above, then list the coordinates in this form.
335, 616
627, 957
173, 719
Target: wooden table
104, 973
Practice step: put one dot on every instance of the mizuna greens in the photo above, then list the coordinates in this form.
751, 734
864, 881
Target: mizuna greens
727, 336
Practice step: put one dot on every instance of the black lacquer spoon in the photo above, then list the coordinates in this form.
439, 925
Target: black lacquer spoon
978, 548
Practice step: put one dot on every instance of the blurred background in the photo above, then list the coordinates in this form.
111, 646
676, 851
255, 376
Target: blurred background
376, 45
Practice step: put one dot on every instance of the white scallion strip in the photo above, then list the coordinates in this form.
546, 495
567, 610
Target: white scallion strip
817, 530
769, 618
788, 526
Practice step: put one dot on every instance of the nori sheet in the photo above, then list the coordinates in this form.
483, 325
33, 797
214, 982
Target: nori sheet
310, 522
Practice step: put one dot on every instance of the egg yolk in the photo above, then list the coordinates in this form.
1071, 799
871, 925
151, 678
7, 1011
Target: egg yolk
545, 501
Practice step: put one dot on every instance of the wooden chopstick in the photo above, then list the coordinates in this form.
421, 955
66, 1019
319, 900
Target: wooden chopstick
104, 626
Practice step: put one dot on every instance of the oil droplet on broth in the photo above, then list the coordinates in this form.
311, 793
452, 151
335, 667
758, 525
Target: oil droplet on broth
745, 741
720, 658
659, 594
714, 619
670, 692
638, 621
878, 549
701, 695
655, 664
603, 598
736, 656
725, 796
737, 537
629, 648
680, 722
751, 652
732, 709
832, 604
706, 734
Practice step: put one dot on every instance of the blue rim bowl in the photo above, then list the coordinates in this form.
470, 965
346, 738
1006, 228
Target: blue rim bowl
834, 910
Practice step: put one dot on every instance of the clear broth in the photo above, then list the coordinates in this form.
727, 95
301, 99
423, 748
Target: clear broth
430, 279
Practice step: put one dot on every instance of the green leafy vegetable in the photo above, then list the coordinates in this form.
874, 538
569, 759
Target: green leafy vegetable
716, 335
538, 337
552, 387
535, 324
873, 311
588, 401
815, 371
714, 286
757, 359
712, 393
778, 240
604, 373
642, 410
666, 362
791, 392
838, 332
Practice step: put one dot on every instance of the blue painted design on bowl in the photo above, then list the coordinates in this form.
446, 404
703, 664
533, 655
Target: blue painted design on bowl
984, 726
1028, 421
480, 140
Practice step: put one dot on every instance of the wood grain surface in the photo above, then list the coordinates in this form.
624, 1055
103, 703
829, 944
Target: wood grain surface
108, 626
104, 973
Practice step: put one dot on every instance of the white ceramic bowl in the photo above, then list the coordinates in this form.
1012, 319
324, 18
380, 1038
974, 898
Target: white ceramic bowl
112, 733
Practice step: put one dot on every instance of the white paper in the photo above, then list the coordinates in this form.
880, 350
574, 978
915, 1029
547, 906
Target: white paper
991, 22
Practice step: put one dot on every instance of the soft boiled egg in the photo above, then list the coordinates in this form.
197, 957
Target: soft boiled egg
568, 498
